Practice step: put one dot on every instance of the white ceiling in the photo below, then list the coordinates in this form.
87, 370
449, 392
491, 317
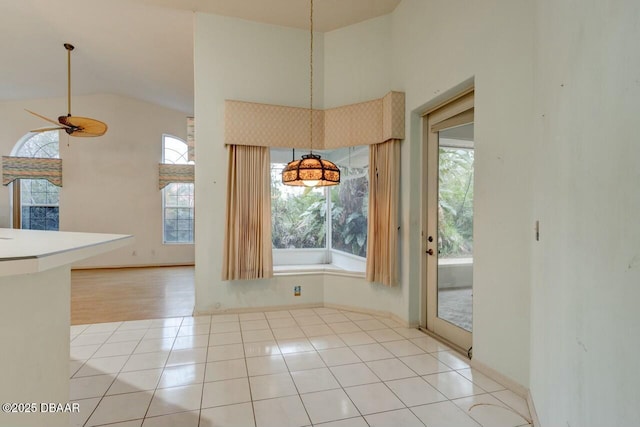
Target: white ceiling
138, 48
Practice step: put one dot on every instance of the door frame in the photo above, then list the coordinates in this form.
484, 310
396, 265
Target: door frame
454, 111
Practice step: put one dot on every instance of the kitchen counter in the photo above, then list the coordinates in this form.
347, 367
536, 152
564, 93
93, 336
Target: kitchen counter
35, 299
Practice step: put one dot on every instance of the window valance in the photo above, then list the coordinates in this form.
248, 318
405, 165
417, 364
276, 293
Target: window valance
31, 168
170, 173
365, 123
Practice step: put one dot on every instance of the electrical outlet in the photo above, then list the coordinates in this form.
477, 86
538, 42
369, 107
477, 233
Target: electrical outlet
297, 290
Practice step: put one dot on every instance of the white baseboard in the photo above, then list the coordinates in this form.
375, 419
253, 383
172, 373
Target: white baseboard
113, 267
532, 410
354, 309
257, 309
512, 385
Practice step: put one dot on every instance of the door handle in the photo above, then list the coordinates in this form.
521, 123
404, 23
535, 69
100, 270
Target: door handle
430, 252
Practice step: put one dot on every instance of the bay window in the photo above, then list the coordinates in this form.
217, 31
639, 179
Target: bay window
326, 225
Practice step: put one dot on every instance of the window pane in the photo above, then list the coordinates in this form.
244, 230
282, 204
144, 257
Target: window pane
298, 214
184, 224
184, 201
43, 145
350, 202
178, 197
170, 214
455, 223
178, 225
170, 236
185, 236
171, 200
184, 189
40, 217
175, 150
39, 198
185, 213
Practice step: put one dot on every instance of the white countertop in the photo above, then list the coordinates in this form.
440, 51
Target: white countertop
31, 251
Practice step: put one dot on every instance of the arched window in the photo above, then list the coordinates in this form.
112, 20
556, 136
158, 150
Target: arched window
177, 198
36, 201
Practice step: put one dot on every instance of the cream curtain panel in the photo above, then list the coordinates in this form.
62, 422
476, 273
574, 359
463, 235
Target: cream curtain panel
247, 239
31, 168
382, 241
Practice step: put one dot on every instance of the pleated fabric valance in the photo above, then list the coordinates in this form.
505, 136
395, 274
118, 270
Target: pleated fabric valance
170, 173
31, 168
365, 123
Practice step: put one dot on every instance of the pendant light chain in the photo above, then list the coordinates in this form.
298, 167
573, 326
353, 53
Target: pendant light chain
311, 81
311, 170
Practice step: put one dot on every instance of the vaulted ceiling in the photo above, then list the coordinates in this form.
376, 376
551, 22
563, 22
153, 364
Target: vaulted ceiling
138, 48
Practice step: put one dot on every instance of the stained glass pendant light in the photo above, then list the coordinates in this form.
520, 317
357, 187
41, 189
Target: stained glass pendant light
311, 170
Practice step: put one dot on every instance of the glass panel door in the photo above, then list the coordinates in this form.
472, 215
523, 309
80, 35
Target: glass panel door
455, 225
449, 196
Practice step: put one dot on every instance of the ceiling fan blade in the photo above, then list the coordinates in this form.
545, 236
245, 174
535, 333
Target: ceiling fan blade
46, 118
47, 129
83, 126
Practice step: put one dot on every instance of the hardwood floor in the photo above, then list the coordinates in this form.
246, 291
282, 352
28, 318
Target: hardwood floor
111, 295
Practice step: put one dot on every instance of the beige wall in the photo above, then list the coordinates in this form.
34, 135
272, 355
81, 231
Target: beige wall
556, 106
109, 183
413, 51
586, 266
438, 45
357, 65
245, 61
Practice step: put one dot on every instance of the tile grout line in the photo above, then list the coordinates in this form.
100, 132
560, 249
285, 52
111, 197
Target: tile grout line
163, 368
337, 381
380, 381
316, 351
110, 385
204, 373
246, 365
306, 411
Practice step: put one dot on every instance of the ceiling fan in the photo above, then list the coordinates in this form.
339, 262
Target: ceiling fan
73, 125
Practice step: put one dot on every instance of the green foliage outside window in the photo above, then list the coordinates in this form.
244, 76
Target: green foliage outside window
455, 212
299, 214
349, 211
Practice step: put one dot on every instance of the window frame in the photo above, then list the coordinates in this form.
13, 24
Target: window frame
320, 257
16, 205
165, 136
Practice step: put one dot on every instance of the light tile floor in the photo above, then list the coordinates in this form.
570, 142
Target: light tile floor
320, 367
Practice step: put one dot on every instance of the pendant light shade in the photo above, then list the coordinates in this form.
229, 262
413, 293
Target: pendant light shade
311, 170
